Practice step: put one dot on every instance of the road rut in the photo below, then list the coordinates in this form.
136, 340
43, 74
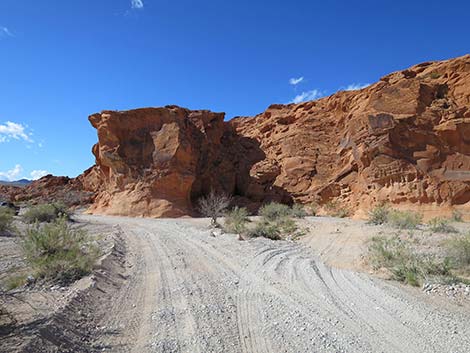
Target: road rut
190, 292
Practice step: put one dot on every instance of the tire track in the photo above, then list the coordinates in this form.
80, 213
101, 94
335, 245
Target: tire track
205, 294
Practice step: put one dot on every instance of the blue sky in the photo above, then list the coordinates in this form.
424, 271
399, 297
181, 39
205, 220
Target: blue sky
64, 60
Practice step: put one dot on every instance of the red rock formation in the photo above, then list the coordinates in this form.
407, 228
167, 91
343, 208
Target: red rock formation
71, 192
151, 161
405, 140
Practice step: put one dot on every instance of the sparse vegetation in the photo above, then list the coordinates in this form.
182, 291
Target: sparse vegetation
265, 229
15, 281
404, 219
236, 220
214, 205
277, 221
459, 251
298, 211
58, 252
379, 215
6, 219
313, 209
404, 263
274, 211
46, 213
441, 225
334, 209
457, 216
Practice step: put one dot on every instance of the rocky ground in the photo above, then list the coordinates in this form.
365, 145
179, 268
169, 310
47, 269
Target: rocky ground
168, 286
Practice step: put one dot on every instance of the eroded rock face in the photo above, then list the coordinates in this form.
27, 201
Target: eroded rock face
70, 191
405, 140
156, 161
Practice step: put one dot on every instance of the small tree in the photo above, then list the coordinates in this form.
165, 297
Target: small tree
214, 205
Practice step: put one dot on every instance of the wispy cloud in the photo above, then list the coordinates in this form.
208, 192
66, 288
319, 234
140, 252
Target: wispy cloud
11, 130
5, 32
137, 4
307, 96
295, 81
12, 174
38, 174
355, 86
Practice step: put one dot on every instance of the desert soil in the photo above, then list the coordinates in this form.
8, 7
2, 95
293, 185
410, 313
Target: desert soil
195, 293
169, 286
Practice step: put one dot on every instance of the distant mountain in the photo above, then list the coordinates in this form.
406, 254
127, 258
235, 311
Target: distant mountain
20, 183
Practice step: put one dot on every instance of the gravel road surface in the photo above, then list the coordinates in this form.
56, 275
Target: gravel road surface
187, 291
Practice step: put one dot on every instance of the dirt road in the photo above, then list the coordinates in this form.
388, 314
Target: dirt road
189, 292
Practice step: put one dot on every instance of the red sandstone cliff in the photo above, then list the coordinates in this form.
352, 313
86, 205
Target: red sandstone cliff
404, 140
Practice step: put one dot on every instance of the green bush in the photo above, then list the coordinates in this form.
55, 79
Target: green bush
441, 225
46, 213
457, 216
404, 264
15, 281
6, 219
265, 229
298, 211
277, 221
274, 211
236, 220
404, 219
458, 250
379, 215
56, 251
384, 252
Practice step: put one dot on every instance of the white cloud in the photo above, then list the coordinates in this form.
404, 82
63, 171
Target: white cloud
307, 96
5, 32
295, 81
12, 174
355, 86
137, 4
11, 130
38, 174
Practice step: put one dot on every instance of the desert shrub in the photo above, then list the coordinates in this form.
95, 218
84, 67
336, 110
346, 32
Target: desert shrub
265, 229
236, 220
458, 250
46, 213
342, 213
334, 209
384, 252
56, 251
277, 221
214, 205
313, 209
298, 211
379, 215
15, 281
6, 219
457, 216
441, 225
284, 227
404, 219
274, 211
62, 210
404, 264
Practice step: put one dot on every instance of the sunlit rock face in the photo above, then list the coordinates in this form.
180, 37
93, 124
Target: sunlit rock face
403, 140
